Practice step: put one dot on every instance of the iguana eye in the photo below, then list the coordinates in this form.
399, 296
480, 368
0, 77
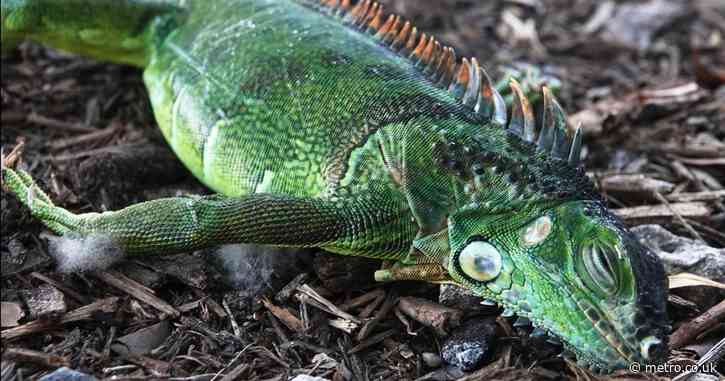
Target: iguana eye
480, 261
537, 231
598, 268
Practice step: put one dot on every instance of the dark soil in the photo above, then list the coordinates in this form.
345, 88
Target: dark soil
644, 77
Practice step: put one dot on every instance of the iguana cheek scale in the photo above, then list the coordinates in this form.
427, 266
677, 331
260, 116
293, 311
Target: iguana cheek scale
335, 126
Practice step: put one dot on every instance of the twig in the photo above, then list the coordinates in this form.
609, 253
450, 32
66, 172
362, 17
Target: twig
58, 124
713, 355
690, 330
677, 215
379, 316
232, 320
373, 340
286, 292
13, 156
326, 305
363, 299
87, 138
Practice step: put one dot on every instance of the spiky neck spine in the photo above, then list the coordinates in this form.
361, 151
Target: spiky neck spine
534, 165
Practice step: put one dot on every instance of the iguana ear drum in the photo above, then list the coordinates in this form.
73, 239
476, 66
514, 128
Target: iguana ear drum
536, 231
481, 261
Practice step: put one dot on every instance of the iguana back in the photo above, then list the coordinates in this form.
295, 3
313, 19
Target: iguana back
272, 96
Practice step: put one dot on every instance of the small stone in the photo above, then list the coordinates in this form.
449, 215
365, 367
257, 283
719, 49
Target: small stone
680, 254
431, 360
470, 344
66, 374
45, 302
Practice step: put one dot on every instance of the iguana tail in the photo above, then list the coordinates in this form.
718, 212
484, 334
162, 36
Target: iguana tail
112, 30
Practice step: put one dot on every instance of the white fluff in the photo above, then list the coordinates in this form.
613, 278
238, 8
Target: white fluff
251, 268
84, 253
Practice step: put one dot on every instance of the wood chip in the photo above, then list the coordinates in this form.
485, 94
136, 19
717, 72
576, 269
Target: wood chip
65, 289
45, 302
10, 314
661, 213
696, 196
25, 356
433, 315
137, 290
286, 292
91, 311
286, 317
634, 183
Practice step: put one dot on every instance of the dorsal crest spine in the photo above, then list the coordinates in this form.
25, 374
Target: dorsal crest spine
467, 81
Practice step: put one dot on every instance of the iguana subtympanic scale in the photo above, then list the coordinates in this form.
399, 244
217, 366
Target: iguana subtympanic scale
335, 126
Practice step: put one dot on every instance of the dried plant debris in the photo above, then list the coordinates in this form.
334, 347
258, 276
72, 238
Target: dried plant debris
644, 77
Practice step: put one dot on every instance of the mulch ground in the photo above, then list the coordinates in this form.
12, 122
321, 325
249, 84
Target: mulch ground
644, 77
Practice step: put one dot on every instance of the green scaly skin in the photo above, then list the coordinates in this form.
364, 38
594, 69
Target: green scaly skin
315, 134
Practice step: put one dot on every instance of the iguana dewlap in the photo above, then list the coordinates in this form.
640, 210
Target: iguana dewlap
337, 126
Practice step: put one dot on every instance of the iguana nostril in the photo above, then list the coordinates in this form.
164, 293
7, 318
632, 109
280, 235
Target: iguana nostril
652, 348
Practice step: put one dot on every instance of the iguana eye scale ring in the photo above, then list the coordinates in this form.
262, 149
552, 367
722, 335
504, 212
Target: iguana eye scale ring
481, 261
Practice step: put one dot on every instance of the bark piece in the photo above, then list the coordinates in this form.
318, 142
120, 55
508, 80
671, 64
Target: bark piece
45, 302
433, 315
690, 330
93, 311
143, 340
661, 213
137, 290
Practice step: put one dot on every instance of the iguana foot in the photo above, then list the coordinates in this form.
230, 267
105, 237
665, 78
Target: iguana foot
55, 218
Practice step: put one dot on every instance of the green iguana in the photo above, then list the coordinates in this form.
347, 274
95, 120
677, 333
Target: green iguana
332, 125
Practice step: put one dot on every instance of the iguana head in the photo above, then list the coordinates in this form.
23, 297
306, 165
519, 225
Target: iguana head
529, 231
573, 270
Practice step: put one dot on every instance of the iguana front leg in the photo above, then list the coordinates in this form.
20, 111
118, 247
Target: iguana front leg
188, 223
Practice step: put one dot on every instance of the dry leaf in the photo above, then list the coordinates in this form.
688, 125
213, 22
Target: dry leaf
688, 279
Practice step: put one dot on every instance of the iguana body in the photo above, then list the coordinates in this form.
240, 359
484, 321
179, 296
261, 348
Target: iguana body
333, 126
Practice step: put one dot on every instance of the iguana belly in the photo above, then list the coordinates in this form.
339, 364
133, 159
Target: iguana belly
265, 96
